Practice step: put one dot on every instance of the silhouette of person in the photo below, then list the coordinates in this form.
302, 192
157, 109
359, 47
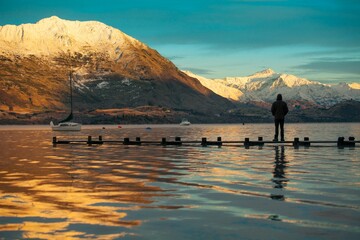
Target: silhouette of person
279, 109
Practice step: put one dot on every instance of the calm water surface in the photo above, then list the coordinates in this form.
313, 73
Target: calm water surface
179, 192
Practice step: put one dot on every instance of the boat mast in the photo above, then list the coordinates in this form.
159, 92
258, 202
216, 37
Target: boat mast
71, 98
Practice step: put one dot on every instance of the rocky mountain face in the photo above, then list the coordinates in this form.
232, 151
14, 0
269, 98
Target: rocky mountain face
110, 70
261, 89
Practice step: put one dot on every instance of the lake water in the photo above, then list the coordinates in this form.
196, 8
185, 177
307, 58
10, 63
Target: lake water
112, 191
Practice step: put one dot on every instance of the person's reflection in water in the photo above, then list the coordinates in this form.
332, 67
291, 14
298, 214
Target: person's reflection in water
279, 175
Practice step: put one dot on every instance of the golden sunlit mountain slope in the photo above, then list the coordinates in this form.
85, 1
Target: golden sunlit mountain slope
110, 69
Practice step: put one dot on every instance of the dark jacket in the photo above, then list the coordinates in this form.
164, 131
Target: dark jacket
279, 109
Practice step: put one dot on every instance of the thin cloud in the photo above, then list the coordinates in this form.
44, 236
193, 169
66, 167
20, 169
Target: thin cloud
333, 66
354, 51
198, 71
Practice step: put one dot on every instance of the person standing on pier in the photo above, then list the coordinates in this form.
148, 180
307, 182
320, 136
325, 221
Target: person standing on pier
279, 109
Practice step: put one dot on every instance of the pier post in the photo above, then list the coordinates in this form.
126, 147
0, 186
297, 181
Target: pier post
178, 141
340, 142
163, 141
126, 141
54, 140
204, 142
296, 143
89, 141
219, 141
247, 142
306, 142
352, 141
260, 140
138, 141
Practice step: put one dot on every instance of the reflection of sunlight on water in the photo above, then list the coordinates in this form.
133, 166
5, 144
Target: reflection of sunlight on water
112, 191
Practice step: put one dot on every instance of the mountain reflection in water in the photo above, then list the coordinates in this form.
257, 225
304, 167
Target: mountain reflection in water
153, 192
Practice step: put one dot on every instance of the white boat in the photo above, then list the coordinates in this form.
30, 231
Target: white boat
185, 122
66, 125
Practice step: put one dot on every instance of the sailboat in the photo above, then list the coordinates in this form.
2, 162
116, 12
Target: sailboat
185, 122
66, 124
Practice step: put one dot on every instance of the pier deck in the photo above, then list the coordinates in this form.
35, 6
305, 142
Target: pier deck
340, 142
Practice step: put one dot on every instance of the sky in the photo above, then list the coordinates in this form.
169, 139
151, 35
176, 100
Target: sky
314, 39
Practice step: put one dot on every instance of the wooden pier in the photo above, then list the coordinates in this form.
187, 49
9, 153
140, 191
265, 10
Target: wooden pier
204, 142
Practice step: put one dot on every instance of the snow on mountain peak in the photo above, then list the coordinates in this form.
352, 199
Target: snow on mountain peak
263, 74
218, 88
291, 81
53, 35
265, 85
50, 19
267, 71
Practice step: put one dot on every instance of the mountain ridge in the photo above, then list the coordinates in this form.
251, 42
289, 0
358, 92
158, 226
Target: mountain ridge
35, 60
120, 79
64, 36
263, 86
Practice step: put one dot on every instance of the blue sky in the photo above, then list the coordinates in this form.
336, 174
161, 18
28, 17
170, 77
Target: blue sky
315, 39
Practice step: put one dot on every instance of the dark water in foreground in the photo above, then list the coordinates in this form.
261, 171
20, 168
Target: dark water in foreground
154, 192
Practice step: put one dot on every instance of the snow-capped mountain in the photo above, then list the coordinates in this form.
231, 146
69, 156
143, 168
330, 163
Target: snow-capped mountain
265, 85
219, 88
51, 36
110, 69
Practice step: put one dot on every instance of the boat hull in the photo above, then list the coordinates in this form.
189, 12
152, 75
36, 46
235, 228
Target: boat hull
66, 126
185, 122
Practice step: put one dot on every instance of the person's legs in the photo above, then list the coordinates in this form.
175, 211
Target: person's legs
276, 130
281, 122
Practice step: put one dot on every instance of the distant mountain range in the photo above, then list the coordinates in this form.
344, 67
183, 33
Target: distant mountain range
262, 88
119, 79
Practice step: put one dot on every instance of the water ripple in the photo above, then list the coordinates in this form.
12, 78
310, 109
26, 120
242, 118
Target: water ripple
115, 191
